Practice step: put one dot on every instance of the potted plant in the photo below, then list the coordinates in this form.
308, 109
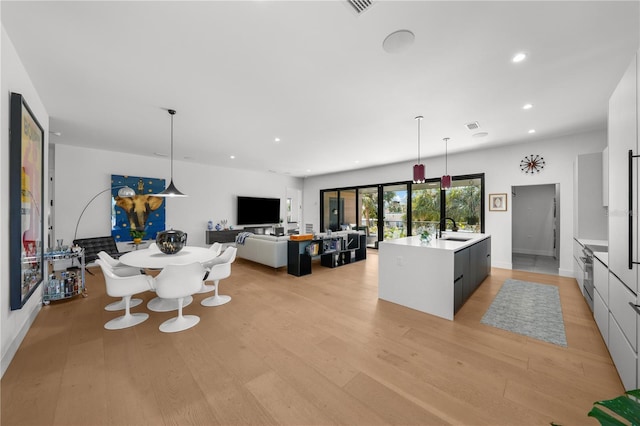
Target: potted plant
137, 235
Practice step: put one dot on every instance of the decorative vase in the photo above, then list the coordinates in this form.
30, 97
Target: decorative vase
172, 241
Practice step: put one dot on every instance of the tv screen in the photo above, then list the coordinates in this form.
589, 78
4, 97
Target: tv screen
258, 211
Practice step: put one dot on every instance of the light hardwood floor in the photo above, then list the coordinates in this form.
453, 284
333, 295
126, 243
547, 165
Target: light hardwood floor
313, 350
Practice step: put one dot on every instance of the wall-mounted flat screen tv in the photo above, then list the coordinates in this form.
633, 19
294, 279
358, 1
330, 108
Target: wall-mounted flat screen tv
258, 211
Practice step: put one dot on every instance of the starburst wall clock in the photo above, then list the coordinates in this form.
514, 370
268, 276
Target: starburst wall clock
532, 164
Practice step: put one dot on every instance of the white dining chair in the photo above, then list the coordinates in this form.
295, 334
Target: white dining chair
125, 287
218, 272
121, 270
215, 248
179, 282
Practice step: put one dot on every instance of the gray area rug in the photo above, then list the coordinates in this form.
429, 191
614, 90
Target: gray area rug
529, 309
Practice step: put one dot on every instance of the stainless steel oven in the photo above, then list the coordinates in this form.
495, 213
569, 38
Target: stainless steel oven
587, 281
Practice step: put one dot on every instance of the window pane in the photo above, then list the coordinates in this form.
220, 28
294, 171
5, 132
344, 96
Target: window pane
395, 211
425, 206
463, 203
348, 216
369, 213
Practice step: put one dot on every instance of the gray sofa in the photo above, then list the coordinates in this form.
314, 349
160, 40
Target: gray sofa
265, 249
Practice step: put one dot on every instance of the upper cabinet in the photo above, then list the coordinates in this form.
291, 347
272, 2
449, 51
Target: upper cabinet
589, 217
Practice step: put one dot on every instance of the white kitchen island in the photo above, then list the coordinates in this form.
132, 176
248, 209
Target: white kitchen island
435, 277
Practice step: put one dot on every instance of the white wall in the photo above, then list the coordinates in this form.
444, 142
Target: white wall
533, 219
15, 324
80, 173
502, 171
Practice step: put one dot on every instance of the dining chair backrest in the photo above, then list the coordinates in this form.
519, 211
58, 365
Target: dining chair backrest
227, 256
216, 248
116, 266
176, 281
118, 286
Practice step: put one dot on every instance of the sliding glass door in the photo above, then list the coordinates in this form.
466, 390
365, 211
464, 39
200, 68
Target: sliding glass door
397, 210
425, 206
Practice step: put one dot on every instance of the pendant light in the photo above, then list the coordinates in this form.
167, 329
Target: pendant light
445, 181
171, 190
418, 169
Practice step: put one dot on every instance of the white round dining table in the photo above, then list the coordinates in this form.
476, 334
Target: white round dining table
153, 258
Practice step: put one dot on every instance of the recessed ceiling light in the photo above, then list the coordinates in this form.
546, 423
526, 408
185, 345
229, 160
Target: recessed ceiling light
161, 154
232, 156
276, 140
55, 133
527, 106
398, 41
357, 161
519, 57
480, 135
532, 131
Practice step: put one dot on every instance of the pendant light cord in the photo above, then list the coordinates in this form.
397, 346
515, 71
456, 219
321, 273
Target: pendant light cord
446, 156
419, 118
172, 113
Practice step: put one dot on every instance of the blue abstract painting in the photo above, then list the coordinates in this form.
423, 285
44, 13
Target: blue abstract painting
143, 212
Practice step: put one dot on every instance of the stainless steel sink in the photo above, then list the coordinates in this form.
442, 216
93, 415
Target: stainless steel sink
455, 238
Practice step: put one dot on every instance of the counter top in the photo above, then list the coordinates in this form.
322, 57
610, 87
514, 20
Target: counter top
587, 242
602, 256
449, 241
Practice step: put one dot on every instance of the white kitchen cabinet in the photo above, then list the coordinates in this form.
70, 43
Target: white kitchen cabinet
601, 279
622, 138
623, 355
601, 315
620, 298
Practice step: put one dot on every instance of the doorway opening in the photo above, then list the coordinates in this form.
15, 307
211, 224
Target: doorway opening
535, 232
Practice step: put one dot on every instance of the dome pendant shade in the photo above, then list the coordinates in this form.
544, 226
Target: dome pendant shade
171, 190
419, 169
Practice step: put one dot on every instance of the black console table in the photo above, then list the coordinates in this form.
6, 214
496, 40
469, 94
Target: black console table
227, 236
333, 251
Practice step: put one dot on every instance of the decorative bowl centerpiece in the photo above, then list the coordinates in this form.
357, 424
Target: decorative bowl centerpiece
172, 241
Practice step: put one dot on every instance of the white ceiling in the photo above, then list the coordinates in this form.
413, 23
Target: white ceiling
314, 74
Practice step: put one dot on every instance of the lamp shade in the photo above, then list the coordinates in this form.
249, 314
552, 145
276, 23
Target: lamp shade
418, 173
171, 191
445, 182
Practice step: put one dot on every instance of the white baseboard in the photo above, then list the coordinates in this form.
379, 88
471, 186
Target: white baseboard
502, 265
15, 344
533, 252
566, 273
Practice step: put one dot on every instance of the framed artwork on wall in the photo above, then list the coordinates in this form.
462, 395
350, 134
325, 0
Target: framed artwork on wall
144, 212
26, 198
498, 202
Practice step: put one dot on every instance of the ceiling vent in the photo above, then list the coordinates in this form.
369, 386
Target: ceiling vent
360, 5
472, 126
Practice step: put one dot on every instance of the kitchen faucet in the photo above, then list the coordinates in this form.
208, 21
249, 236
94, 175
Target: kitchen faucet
443, 225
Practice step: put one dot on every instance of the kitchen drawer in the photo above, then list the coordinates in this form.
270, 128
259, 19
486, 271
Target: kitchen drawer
601, 280
623, 355
601, 315
624, 314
